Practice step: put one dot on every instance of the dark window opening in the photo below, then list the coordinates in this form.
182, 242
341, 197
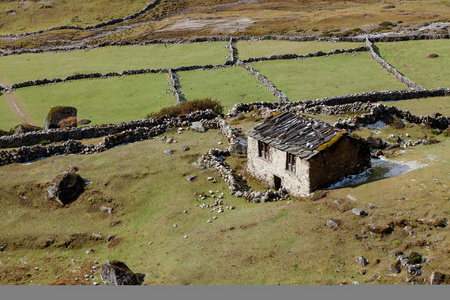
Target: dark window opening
290, 162
263, 150
277, 182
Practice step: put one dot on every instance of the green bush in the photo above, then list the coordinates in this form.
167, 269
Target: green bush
386, 24
415, 258
188, 107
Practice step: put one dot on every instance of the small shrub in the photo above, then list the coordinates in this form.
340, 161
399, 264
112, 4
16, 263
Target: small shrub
187, 107
315, 29
415, 258
386, 24
44, 142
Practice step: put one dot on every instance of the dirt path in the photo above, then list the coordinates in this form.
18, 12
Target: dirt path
16, 108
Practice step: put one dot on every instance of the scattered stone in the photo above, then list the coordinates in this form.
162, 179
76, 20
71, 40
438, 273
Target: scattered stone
359, 212
336, 202
219, 143
168, 152
185, 211
362, 261
433, 55
362, 272
106, 208
239, 194
438, 278
84, 122
209, 221
175, 225
389, 6
90, 251
380, 229
110, 238
191, 178
117, 273
169, 140
95, 283
407, 280
150, 243
331, 223
186, 148
185, 236
395, 267
214, 218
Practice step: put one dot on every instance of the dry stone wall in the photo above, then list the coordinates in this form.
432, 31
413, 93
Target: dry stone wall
61, 135
391, 69
176, 91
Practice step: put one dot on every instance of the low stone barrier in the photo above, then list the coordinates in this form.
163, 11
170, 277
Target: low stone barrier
81, 133
298, 56
176, 92
96, 26
391, 69
269, 85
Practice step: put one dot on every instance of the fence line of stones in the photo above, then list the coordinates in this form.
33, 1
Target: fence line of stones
232, 57
96, 75
60, 135
96, 26
235, 39
391, 69
299, 56
139, 131
176, 87
268, 84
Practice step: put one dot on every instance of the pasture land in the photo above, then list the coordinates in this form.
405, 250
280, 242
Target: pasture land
103, 101
228, 85
424, 106
8, 119
248, 49
18, 68
148, 197
319, 77
411, 59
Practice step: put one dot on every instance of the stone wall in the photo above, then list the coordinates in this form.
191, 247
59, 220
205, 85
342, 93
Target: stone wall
61, 135
269, 85
96, 26
347, 156
176, 91
264, 170
298, 56
391, 69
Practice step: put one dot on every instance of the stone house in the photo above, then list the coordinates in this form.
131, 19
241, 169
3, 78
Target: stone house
302, 154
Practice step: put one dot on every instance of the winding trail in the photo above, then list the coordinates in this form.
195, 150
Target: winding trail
15, 108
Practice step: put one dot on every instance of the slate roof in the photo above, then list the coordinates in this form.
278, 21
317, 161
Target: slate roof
295, 134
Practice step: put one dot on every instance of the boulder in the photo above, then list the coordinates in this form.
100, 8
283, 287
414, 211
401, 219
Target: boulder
84, 122
331, 223
61, 117
433, 55
198, 126
66, 187
23, 128
359, 212
117, 273
395, 267
439, 278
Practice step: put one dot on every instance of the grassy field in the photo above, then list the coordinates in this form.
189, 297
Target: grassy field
229, 86
411, 59
422, 107
247, 49
34, 15
320, 77
7, 118
103, 101
149, 195
18, 68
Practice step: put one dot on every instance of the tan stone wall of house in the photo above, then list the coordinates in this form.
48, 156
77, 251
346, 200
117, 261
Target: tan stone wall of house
296, 184
347, 156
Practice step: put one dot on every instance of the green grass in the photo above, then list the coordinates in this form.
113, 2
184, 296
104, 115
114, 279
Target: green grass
425, 106
247, 49
150, 192
18, 68
320, 77
229, 86
410, 59
8, 119
103, 101
32, 16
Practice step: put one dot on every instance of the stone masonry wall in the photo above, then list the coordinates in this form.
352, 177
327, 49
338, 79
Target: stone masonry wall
295, 183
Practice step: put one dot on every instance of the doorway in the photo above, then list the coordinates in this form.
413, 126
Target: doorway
276, 182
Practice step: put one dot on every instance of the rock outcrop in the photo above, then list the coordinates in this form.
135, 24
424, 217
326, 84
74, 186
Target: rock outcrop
117, 273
